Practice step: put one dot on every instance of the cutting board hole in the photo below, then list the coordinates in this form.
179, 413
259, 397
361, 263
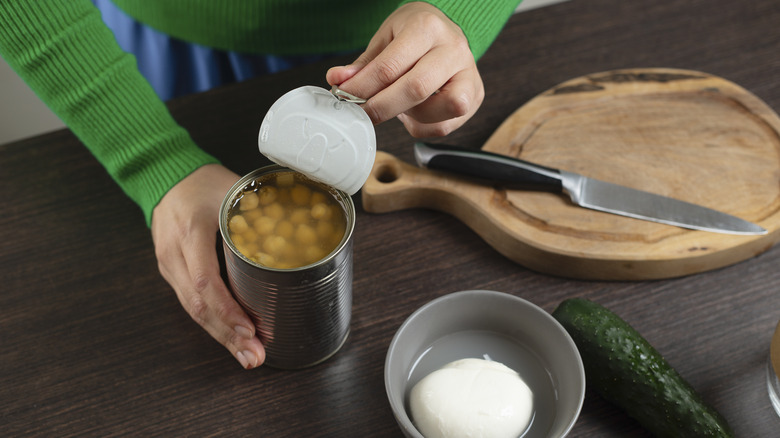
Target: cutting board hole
387, 173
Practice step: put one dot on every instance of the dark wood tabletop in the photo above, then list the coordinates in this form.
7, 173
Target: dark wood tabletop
93, 341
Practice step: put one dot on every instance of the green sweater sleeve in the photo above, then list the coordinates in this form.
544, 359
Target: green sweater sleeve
481, 21
65, 53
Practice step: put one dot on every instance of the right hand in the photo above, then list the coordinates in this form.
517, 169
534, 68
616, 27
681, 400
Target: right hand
418, 67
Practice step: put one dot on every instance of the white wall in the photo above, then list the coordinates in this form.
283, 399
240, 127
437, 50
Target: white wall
533, 4
23, 115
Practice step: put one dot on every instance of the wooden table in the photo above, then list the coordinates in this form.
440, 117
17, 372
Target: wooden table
93, 341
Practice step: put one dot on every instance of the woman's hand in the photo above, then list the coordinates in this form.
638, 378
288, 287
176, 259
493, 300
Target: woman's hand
418, 67
184, 227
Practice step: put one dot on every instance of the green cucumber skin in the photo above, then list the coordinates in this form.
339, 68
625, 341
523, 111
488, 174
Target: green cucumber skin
627, 371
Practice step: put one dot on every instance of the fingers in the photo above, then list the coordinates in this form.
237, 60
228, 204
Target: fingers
418, 67
445, 88
434, 90
212, 305
204, 296
445, 111
398, 58
460, 96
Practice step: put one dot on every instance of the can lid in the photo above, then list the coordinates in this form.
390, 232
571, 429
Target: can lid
327, 139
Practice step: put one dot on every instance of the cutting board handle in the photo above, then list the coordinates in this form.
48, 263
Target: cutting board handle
395, 185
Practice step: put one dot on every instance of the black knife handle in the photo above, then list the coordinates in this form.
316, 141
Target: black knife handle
489, 166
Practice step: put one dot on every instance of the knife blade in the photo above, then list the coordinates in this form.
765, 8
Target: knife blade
584, 191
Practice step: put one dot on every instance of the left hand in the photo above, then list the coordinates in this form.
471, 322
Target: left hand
184, 228
417, 67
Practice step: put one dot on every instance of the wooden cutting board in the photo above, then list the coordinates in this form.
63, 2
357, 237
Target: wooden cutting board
683, 134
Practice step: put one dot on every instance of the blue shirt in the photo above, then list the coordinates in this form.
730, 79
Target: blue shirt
175, 67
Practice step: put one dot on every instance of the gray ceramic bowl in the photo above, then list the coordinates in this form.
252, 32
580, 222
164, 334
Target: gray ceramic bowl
495, 326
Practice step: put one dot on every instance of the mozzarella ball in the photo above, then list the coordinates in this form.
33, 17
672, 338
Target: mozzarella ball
472, 398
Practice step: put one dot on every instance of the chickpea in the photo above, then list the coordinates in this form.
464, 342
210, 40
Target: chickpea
313, 253
274, 244
250, 235
305, 235
237, 239
248, 248
288, 252
285, 179
248, 201
264, 225
321, 211
300, 216
285, 229
318, 198
237, 224
274, 210
283, 196
267, 195
252, 215
264, 259
300, 194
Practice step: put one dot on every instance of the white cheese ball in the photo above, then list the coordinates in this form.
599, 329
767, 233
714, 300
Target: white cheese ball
472, 398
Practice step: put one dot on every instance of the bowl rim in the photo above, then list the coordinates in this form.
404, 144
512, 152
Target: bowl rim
403, 417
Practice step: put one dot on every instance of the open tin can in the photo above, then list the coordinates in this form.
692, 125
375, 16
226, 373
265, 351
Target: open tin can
302, 313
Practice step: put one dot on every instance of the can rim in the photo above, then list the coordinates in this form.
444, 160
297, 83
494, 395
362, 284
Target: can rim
224, 210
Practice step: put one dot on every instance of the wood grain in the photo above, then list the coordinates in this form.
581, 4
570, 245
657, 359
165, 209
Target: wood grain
678, 133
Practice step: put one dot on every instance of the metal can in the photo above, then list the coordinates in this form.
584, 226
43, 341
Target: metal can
302, 314
773, 370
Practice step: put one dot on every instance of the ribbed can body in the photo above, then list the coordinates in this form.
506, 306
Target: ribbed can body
302, 315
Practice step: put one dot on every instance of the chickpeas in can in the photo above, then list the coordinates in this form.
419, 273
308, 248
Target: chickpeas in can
288, 251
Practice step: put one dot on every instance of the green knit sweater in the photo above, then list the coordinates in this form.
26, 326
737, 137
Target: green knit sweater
65, 53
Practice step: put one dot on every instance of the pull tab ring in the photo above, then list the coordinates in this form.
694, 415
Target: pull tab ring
345, 97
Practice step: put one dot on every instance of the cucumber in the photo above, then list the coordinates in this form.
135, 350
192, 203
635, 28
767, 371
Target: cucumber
627, 371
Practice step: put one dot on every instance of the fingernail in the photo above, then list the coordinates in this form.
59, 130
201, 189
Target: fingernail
246, 359
243, 331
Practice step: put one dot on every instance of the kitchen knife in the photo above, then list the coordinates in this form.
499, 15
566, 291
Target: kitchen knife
583, 191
